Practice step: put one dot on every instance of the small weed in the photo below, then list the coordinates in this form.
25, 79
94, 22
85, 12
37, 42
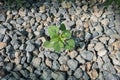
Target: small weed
60, 38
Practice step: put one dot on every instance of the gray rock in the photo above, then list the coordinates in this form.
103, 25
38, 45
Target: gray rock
2, 30
110, 32
80, 59
30, 47
109, 76
33, 76
22, 47
46, 53
19, 21
24, 73
109, 67
18, 67
85, 76
9, 48
29, 57
14, 12
47, 75
100, 77
88, 55
71, 78
87, 36
56, 65
36, 62
53, 10
44, 16
23, 59
95, 34
78, 73
53, 56
9, 66
63, 59
72, 64
106, 59
15, 44
2, 17
9, 26
71, 11
58, 76
1, 37
95, 66
16, 75
1, 58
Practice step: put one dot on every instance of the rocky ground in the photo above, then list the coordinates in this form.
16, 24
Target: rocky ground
95, 29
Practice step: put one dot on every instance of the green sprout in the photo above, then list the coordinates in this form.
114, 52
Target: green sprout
60, 38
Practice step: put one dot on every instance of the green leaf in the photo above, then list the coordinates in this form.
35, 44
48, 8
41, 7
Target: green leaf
107, 2
53, 31
47, 44
62, 27
66, 34
70, 44
58, 46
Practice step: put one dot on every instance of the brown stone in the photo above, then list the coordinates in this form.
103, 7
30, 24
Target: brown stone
3, 45
93, 74
64, 67
48, 62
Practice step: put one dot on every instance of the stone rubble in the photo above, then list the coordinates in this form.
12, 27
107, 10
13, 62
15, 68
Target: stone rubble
95, 29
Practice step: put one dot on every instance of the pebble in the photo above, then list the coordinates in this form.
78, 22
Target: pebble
3, 45
87, 55
42, 8
93, 74
2, 17
71, 78
64, 67
46, 75
30, 47
65, 4
110, 76
102, 52
118, 55
22, 12
109, 67
72, 64
53, 56
72, 54
20, 21
48, 62
78, 73
36, 62
9, 67
85, 7
80, 59
63, 59
58, 75
2, 30
56, 65
99, 46
24, 73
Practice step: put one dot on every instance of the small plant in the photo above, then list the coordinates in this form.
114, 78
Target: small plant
109, 2
60, 38
18, 2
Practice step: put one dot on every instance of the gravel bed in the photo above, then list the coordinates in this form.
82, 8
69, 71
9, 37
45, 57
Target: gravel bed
95, 29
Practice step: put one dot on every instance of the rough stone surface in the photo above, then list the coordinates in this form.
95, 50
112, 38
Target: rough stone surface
2, 45
36, 62
88, 55
72, 64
